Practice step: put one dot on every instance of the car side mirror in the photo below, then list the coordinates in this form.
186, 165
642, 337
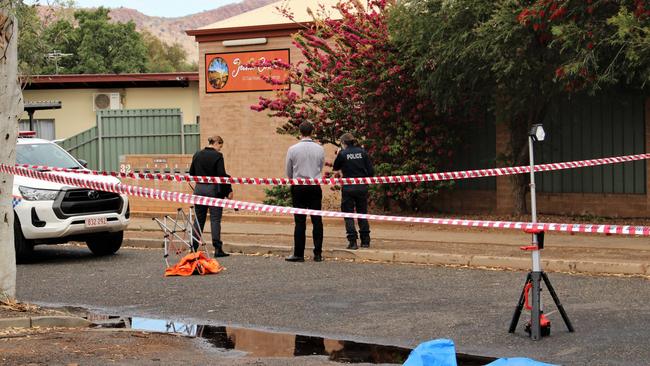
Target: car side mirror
83, 163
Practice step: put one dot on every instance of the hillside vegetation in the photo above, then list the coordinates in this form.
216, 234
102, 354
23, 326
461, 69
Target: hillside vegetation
172, 30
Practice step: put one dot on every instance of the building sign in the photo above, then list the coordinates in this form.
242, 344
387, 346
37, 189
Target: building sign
229, 72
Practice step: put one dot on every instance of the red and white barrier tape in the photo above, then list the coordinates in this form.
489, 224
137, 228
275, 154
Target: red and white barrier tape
412, 178
250, 206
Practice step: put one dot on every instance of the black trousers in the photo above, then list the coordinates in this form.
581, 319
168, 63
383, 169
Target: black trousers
208, 190
309, 197
356, 199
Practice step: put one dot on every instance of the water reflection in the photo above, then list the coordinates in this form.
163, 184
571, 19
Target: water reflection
270, 344
164, 326
258, 343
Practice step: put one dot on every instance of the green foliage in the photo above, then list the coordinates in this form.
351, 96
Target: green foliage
438, 39
93, 43
516, 57
521, 55
278, 196
162, 57
104, 47
30, 46
632, 35
353, 78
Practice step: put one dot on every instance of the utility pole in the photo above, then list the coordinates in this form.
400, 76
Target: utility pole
56, 56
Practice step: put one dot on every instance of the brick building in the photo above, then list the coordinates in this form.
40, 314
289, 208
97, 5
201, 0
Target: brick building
581, 128
252, 147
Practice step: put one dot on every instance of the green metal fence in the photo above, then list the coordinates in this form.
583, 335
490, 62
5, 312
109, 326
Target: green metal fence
132, 131
589, 127
477, 150
584, 127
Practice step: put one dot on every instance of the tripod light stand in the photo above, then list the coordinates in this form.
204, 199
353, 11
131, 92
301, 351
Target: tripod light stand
539, 326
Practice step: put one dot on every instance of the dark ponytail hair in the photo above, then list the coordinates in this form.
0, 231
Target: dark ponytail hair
348, 139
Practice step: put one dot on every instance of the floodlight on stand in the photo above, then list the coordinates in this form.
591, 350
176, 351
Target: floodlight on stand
539, 325
537, 132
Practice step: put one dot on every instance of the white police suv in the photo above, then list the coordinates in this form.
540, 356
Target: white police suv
52, 213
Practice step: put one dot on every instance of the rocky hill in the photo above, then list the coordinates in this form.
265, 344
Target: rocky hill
173, 29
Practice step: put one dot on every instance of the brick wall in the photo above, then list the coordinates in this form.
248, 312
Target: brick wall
180, 164
615, 205
252, 147
466, 201
175, 164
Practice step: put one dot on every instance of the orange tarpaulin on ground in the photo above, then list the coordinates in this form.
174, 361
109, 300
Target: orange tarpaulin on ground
194, 263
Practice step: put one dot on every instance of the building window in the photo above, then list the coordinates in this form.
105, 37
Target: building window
44, 127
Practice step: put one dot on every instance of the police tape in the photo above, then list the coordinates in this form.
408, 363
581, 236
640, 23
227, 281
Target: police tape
410, 178
258, 207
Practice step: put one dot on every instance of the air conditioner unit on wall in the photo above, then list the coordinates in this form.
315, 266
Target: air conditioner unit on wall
102, 101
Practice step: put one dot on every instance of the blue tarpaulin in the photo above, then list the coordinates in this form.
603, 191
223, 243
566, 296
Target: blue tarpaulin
442, 352
439, 352
517, 361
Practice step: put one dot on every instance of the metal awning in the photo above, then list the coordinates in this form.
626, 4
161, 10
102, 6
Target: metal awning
40, 105
31, 107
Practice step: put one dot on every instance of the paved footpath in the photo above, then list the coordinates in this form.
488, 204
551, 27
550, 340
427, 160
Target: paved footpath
424, 244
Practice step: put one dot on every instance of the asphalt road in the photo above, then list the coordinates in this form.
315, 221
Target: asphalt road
390, 304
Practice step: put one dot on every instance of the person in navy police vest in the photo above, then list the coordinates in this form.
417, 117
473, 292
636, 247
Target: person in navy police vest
354, 162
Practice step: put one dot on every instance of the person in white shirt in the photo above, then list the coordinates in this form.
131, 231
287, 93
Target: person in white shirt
305, 160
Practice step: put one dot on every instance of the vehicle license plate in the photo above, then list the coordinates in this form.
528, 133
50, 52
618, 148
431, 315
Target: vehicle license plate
96, 221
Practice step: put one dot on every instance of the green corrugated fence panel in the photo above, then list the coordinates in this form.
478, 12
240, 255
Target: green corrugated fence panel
478, 151
590, 127
192, 138
139, 131
132, 131
84, 146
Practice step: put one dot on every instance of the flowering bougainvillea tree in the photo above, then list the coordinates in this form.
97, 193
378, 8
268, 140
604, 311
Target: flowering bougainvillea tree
353, 79
518, 56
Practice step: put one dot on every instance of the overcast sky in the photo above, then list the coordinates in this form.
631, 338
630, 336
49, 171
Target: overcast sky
159, 8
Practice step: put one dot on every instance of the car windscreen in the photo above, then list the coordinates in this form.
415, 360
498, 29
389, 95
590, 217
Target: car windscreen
45, 154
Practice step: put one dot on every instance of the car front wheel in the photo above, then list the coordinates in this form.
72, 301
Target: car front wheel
24, 248
106, 244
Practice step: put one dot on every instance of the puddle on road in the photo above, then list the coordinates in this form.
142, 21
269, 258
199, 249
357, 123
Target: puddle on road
260, 343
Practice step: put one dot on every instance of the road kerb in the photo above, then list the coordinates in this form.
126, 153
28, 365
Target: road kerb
15, 323
500, 262
45, 322
433, 258
611, 267
60, 321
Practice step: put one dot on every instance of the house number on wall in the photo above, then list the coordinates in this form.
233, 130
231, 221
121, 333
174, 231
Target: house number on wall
125, 168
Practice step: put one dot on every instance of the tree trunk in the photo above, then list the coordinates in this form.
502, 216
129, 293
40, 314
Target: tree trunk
11, 105
519, 187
